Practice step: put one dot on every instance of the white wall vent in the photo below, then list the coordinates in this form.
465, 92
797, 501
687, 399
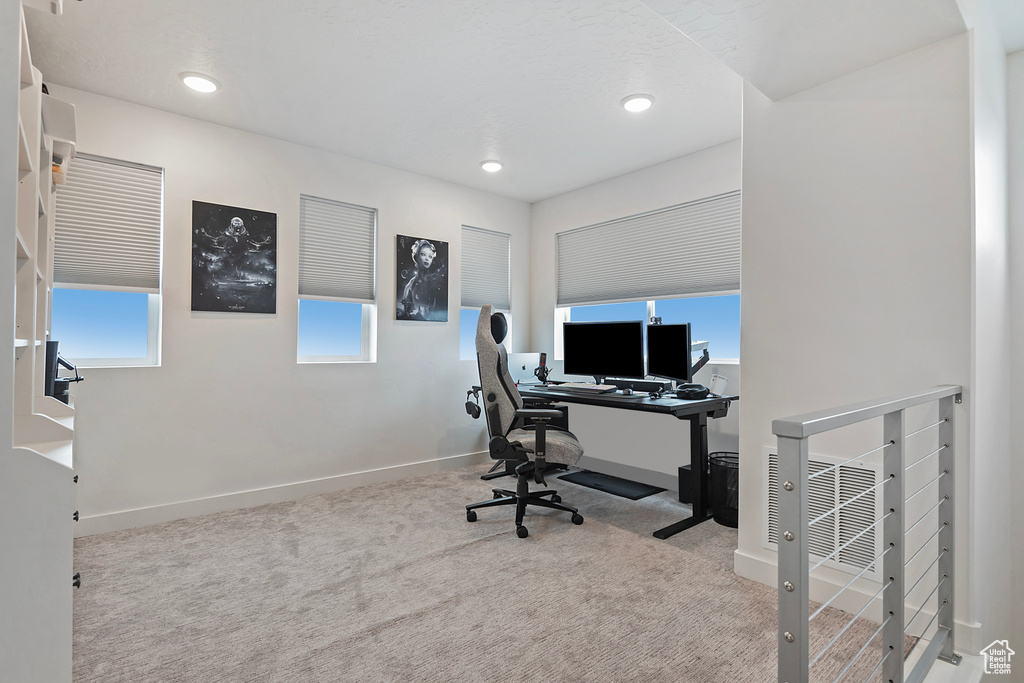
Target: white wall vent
828, 491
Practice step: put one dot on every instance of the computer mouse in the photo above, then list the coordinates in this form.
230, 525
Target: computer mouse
627, 392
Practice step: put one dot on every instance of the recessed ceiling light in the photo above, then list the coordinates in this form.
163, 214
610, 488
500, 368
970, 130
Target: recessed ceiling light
636, 103
491, 165
199, 82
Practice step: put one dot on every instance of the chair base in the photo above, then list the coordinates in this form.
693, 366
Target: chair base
521, 498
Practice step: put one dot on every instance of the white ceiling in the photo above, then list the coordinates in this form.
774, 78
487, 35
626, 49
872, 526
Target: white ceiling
1009, 16
435, 87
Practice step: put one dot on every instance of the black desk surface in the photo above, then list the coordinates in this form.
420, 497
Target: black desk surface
714, 406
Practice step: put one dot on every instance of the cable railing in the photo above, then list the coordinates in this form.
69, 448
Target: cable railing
886, 642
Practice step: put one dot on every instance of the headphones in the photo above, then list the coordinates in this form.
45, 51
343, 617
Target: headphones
473, 409
692, 392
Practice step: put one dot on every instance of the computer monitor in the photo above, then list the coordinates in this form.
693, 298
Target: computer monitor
604, 349
668, 352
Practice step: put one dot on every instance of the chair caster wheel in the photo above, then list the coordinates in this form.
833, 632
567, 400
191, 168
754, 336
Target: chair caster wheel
556, 499
523, 532
496, 495
577, 519
470, 515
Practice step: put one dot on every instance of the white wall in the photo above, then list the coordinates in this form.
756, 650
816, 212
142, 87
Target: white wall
653, 443
991, 462
1015, 118
856, 257
229, 410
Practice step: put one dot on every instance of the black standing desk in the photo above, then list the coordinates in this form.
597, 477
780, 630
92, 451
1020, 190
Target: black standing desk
695, 412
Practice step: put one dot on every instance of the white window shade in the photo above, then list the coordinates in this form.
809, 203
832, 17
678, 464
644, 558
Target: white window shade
485, 268
688, 249
336, 250
107, 226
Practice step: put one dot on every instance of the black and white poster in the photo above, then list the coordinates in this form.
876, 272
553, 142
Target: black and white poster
234, 259
422, 288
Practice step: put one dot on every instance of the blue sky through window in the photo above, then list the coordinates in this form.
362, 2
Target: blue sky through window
330, 328
468, 319
91, 323
714, 319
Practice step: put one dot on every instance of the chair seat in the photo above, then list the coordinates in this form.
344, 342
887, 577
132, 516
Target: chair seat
562, 447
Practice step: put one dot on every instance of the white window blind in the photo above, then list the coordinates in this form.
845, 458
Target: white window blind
485, 268
336, 250
691, 248
107, 226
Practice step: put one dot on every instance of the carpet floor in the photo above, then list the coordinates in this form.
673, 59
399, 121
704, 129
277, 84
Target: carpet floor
389, 582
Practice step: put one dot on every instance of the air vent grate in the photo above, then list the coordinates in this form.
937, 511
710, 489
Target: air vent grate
828, 491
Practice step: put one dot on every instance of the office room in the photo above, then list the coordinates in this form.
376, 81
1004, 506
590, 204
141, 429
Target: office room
250, 508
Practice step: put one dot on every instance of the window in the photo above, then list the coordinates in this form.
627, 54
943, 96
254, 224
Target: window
106, 263
681, 263
485, 280
337, 277
714, 319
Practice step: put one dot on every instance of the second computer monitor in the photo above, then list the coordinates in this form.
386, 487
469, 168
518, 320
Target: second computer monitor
668, 351
604, 349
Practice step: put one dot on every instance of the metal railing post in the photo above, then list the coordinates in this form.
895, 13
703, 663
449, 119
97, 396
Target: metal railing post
947, 507
793, 560
892, 536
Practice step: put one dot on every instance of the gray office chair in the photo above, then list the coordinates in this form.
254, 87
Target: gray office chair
535, 444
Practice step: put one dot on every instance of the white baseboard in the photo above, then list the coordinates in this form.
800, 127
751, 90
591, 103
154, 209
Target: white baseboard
967, 638
127, 519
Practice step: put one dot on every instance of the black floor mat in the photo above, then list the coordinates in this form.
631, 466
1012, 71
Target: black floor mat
604, 482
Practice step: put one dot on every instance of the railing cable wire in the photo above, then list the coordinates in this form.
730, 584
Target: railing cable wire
847, 544
855, 498
872, 674
924, 428
857, 656
911, 497
923, 546
923, 574
923, 517
930, 621
921, 460
846, 462
840, 591
941, 581
845, 628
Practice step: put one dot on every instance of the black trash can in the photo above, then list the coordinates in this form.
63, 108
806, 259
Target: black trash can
724, 487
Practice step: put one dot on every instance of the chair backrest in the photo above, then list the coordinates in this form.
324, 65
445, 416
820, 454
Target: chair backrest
501, 397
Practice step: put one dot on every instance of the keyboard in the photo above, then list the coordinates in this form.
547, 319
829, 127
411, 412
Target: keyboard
585, 388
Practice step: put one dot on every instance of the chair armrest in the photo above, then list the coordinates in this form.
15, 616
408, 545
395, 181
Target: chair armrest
539, 413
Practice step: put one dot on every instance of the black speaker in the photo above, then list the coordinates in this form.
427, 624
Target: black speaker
685, 485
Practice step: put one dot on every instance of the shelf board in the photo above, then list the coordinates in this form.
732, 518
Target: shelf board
59, 124
24, 155
22, 249
59, 452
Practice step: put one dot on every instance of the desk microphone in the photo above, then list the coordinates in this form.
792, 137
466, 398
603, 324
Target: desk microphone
541, 372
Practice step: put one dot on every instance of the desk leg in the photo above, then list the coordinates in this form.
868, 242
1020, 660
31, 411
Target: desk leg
698, 477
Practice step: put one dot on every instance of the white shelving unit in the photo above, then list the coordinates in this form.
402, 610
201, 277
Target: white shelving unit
36, 431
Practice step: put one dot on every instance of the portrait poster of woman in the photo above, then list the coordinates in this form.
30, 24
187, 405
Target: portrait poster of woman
422, 287
234, 259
